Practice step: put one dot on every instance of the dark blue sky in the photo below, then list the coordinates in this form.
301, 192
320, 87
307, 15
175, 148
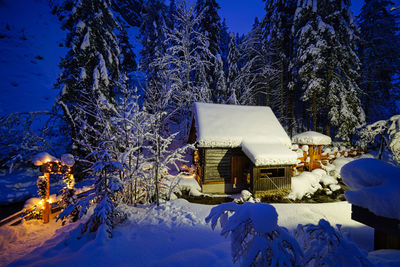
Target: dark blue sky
240, 14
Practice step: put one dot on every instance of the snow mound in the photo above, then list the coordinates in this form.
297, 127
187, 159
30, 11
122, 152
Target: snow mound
269, 154
170, 213
311, 138
375, 185
307, 183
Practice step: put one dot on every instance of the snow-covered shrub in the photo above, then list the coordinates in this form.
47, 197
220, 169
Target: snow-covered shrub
325, 246
385, 133
256, 237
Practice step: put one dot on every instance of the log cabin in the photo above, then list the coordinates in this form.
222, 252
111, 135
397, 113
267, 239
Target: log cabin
241, 147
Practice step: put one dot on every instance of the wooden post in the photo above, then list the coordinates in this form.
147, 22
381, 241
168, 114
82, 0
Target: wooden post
46, 204
311, 155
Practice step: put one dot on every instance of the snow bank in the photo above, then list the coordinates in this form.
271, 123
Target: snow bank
311, 138
264, 154
307, 183
375, 185
174, 234
228, 125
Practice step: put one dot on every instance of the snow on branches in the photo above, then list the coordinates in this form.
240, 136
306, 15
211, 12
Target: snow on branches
384, 132
256, 237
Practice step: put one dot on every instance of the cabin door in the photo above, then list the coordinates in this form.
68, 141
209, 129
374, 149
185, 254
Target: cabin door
240, 170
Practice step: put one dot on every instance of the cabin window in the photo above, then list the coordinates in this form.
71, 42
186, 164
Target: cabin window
272, 173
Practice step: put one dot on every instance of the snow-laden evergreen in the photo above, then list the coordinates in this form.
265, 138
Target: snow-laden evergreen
153, 35
90, 70
311, 35
343, 97
233, 70
379, 52
327, 65
277, 24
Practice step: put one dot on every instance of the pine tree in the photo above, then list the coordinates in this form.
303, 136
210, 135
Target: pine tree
90, 70
380, 59
153, 35
210, 23
209, 26
224, 45
343, 103
221, 90
277, 25
311, 35
233, 70
130, 10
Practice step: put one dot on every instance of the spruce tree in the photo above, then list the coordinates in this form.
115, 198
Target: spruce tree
130, 10
153, 35
343, 103
233, 70
224, 45
311, 35
379, 52
209, 26
90, 70
279, 41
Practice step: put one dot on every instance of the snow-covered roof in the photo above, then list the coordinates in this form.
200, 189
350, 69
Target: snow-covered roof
220, 125
254, 128
311, 138
375, 185
264, 154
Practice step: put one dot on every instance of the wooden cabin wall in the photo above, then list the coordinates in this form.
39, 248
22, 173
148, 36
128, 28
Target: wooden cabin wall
265, 184
217, 164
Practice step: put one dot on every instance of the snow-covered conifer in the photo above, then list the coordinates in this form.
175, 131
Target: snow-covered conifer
224, 44
277, 24
344, 107
153, 35
310, 57
233, 70
90, 70
130, 10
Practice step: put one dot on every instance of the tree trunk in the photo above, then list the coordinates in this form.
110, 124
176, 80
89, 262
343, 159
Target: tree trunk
314, 111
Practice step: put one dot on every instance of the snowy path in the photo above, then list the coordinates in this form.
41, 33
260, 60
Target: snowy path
173, 234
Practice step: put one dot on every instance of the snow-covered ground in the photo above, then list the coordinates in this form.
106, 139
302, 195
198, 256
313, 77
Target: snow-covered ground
31, 47
174, 234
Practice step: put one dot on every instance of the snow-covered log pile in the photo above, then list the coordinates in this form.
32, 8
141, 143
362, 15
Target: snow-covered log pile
375, 185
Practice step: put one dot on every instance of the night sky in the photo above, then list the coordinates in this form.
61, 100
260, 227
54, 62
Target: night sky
240, 14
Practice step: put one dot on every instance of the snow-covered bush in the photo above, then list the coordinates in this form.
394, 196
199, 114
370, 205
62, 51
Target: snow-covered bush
325, 246
385, 133
256, 237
